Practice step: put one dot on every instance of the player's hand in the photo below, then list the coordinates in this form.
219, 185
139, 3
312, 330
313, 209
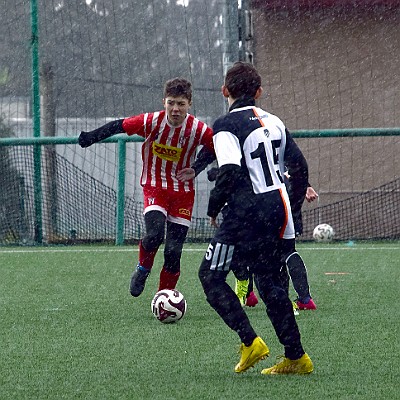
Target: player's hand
86, 139
311, 194
185, 174
213, 222
212, 174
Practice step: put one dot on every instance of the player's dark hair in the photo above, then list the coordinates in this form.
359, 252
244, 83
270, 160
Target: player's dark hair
178, 87
242, 79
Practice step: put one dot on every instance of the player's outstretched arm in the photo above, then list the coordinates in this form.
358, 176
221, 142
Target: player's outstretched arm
86, 139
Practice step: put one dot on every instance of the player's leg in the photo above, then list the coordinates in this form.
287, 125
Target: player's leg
212, 273
280, 312
279, 307
242, 281
251, 297
176, 235
268, 280
298, 274
180, 207
148, 246
295, 265
153, 238
284, 276
244, 289
241, 289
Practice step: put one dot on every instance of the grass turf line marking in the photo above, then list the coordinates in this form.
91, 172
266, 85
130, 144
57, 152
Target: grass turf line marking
117, 249
337, 273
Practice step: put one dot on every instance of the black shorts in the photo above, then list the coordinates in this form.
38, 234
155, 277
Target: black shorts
249, 237
243, 258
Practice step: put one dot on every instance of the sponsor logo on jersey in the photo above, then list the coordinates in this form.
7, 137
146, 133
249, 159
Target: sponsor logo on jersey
166, 152
184, 211
150, 200
258, 117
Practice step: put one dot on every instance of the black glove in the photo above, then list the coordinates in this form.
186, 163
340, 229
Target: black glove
212, 174
86, 139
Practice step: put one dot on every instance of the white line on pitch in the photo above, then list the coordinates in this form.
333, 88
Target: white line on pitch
132, 249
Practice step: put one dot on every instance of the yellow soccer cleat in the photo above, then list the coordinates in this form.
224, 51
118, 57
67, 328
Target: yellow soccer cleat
241, 288
301, 366
250, 355
295, 308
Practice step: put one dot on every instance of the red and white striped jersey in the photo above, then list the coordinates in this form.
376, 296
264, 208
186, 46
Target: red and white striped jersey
168, 149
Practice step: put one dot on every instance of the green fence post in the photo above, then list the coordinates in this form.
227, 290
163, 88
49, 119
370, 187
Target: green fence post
37, 175
120, 220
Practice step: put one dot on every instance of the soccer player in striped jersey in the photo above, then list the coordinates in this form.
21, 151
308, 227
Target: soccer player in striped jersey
172, 137
252, 147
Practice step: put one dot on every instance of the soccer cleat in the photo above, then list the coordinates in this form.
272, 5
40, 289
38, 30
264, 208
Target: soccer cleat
295, 308
250, 355
301, 366
138, 280
251, 300
241, 288
306, 306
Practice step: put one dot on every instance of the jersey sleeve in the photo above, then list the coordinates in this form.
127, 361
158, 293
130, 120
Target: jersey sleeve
207, 139
204, 158
134, 125
226, 143
207, 153
298, 172
86, 139
229, 155
227, 148
224, 186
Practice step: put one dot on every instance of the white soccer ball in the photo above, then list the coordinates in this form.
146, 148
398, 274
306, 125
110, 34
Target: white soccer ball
168, 306
323, 233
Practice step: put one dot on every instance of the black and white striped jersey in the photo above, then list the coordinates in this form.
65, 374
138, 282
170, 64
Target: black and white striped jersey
252, 147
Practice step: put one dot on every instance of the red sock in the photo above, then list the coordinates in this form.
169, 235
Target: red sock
146, 258
167, 279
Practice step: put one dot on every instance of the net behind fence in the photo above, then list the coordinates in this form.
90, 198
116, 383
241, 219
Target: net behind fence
80, 209
370, 215
324, 65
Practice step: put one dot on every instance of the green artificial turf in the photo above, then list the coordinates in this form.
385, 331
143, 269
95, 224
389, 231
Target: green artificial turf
69, 329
